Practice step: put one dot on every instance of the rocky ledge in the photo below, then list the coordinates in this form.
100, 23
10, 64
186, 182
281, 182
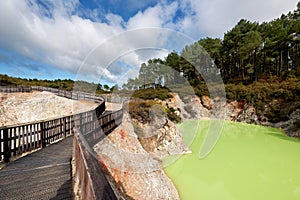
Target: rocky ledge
135, 173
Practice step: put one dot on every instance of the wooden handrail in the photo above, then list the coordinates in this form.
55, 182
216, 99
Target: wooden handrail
93, 126
19, 138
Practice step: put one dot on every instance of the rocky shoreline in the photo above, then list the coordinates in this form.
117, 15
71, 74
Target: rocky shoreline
193, 107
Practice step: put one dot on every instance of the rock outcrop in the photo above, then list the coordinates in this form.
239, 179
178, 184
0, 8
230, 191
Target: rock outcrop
207, 102
136, 174
292, 126
248, 115
192, 107
188, 108
161, 137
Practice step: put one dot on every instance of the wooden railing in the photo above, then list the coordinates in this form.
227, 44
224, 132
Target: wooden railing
18, 139
76, 95
21, 138
88, 173
93, 183
88, 128
12, 89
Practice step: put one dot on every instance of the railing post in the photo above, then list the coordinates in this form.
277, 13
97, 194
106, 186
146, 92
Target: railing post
65, 126
81, 123
6, 146
61, 128
43, 143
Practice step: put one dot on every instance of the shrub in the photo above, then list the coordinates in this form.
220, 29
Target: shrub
151, 93
140, 111
172, 115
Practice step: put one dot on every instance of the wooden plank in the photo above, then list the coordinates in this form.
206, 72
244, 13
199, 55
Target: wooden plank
35, 128
64, 127
6, 149
1, 146
45, 133
54, 131
51, 132
25, 136
42, 135
34, 136
37, 135
19, 141
31, 143
14, 141
22, 139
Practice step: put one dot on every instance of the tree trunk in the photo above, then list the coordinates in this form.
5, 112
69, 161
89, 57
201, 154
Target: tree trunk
264, 63
281, 62
254, 66
243, 69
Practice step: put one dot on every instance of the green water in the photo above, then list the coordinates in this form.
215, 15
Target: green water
248, 163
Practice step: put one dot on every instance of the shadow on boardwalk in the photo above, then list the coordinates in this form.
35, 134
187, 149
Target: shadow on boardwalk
44, 174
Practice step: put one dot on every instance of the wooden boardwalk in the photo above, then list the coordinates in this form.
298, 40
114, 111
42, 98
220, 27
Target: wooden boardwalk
44, 174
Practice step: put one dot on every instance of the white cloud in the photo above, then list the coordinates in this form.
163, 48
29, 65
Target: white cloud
160, 15
215, 17
62, 41
131, 48
115, 20
59, 37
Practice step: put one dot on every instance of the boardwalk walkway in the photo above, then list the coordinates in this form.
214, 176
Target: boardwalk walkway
44, 174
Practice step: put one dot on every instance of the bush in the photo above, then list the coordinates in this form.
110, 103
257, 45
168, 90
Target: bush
260, 94
140, 111
172, 115
151, 93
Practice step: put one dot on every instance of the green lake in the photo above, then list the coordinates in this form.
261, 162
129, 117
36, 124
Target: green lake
248, 162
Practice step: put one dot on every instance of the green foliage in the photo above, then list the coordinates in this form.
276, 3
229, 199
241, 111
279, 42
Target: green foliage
259, 63
248, 52
151, 93
172, 115
264, 91
66, 84
140, 111
276, 98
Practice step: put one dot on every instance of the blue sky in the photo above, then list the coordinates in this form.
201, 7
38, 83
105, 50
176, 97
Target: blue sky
51, 39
